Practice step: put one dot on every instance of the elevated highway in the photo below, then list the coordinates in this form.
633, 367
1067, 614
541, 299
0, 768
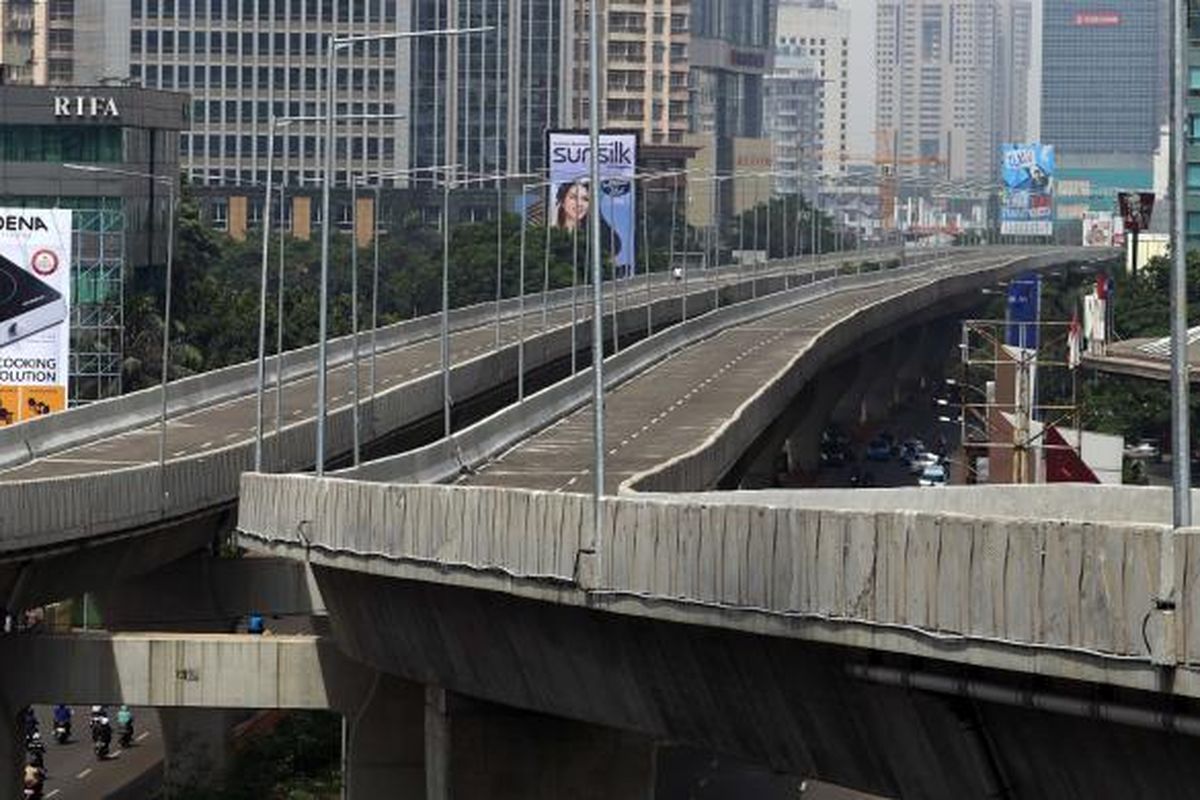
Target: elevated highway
1027, 644
90, 478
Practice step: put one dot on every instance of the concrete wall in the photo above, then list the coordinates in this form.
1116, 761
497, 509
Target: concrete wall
230, 671
1058, 598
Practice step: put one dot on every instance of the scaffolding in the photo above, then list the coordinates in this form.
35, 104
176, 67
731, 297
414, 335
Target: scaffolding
97, 303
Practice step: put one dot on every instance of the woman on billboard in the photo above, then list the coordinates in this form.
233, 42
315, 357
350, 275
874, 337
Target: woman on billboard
572, 202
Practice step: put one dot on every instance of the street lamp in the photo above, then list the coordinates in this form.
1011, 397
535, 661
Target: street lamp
333, 45
162, 180
273, 124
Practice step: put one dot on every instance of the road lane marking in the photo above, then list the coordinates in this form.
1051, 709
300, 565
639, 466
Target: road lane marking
114, 754
51, 793
84, 774
141, 736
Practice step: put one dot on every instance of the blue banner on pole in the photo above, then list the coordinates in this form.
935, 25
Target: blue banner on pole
1024, 311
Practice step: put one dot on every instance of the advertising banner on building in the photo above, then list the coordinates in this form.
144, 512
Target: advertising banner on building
1098, 229
1028, 173
570, 196
35, 319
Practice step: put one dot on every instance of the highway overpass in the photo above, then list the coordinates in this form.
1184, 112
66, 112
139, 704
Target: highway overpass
89, 477
722, 376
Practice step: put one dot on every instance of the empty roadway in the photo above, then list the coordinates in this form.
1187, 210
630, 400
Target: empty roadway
233, 421
671, 408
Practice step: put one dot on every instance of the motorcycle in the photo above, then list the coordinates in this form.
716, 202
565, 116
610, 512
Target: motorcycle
33, 792
126, 736
36, 752
101, 738
101, 748
62, 732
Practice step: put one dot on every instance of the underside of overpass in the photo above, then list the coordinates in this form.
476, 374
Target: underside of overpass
797, 708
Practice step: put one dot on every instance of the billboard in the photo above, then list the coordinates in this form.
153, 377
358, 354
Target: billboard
1028, 173
1098, 229
35, 319
570, 196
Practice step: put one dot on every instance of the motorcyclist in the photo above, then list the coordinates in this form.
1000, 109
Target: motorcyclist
125, 724
101, 726
29, 721
36, 749
62, 721
34, 778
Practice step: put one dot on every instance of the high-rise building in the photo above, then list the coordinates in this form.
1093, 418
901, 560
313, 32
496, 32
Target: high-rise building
949, 84
64, 42
793, 105
244, 60
506, 91
1192, 220
819, 32
644, 68
1104, 76
730, 57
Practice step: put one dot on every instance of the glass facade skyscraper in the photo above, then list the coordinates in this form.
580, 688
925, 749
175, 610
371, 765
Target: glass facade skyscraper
1104, 76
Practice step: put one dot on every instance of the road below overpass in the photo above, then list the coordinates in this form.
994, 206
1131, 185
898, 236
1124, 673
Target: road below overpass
674, 406
74, 773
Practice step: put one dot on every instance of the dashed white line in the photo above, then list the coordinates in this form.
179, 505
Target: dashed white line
84, 774
51, 793
141, 736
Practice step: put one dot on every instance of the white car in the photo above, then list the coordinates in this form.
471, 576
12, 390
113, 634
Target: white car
934, 475
923, 460
1146, 448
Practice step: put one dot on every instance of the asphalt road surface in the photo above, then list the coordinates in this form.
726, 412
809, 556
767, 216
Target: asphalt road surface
233, 421
74, 772
668, 409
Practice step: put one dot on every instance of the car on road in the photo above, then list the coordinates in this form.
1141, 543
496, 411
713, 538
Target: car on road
879, 450
933, 475
1145, 448
923, 460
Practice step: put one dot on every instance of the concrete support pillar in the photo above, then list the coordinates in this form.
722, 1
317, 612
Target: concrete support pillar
505, 754
385, 742
197, 745
803, 443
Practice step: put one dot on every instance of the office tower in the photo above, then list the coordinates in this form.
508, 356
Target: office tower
945, 86
793, 118
818, 32
644, 69
1104, 76
64, 42
244, 60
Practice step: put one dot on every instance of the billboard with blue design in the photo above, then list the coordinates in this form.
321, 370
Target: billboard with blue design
1028, 205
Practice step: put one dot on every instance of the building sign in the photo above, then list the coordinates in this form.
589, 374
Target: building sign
1028, 174
1097, 19
35, 296
85, 107
571, 197
1024, 311
1098, 229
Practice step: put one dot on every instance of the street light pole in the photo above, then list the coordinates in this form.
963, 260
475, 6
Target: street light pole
597, 281
262, 300
1181, 441
333, 44
162, 180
